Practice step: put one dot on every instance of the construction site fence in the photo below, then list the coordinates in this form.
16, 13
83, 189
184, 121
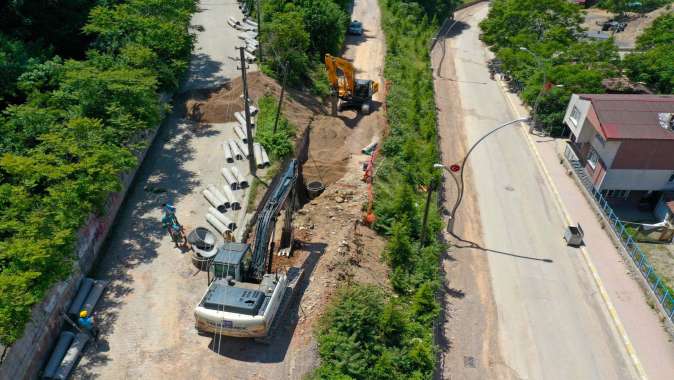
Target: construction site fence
660, 290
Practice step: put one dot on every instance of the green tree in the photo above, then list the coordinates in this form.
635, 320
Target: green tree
287, 41
326, 24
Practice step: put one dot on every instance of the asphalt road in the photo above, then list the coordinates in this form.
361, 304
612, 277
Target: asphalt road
550, 320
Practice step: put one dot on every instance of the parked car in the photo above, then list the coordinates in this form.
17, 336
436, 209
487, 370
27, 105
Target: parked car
355, 28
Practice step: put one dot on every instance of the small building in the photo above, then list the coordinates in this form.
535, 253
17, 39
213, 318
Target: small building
625, 143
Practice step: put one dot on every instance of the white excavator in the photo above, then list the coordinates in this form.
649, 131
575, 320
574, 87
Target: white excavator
244, 296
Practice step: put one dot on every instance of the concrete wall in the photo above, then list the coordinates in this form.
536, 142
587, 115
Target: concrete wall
28, 355
627, 179
579, 128
607, 151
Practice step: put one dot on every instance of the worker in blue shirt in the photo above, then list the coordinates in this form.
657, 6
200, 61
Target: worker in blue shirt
170, 219
86, 323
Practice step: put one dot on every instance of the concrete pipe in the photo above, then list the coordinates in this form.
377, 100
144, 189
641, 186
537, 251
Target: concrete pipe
257, 152
71, 356
213, 200
243, 147
233, 200
228, 152
229, 178
265, 158
240, 133
57, 354
236, 152
250, 22
243, 182
94, 296
222, 198
241, 118
217, 224
222, 218
82, 293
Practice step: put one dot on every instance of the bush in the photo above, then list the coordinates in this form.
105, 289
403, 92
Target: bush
279, 144
652, 64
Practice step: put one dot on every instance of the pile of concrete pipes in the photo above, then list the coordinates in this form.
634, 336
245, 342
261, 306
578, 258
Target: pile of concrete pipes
70, 345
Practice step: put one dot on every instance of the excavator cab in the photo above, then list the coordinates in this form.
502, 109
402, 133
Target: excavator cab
352, 92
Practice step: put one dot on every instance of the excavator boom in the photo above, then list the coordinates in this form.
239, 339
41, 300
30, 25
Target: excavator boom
342, 78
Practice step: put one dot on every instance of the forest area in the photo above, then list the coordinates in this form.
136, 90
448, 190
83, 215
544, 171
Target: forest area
551, 30
79, 91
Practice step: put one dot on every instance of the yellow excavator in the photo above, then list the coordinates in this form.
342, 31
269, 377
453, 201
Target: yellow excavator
352, 92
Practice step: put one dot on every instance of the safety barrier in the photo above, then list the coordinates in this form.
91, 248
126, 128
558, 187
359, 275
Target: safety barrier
663, 293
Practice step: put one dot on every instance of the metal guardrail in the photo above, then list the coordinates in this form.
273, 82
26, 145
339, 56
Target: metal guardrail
663, 293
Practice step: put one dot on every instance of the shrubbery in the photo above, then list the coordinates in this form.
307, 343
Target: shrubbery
368, 334
278, 144
300, 33
61, 152
653, 63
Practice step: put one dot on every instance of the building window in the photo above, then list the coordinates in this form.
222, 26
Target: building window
575, 115
616, 193
592, 158
600, 139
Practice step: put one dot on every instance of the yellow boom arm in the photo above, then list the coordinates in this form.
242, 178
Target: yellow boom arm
341, 75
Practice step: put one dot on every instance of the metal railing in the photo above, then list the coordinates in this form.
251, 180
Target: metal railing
663, 293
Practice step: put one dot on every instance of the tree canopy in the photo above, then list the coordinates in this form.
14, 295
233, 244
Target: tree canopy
652, 63
62, 150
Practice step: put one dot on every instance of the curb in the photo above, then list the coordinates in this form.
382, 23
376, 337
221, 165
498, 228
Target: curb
567, 219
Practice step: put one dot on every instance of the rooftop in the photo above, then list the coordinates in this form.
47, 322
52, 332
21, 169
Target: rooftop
633, 116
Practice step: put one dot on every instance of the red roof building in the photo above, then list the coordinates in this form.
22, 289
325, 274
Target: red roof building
625, 142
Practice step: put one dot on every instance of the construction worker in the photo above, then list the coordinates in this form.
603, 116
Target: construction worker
86, 323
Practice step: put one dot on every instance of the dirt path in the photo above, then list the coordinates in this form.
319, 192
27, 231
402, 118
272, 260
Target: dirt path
336, 142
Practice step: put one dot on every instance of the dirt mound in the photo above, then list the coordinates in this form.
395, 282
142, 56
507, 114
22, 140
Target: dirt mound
218, 106
333, 140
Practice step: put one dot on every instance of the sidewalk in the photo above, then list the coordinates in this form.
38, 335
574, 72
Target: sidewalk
653, 345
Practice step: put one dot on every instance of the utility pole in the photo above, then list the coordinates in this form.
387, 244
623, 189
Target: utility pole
283, 90
246, 106
429, 195
259, 32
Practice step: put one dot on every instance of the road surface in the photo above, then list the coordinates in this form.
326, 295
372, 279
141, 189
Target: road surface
547, 319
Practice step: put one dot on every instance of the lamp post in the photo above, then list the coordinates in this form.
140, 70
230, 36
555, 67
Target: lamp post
459, 168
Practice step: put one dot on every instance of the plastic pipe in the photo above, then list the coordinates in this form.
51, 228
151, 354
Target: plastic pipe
215, 202
238, 154
57, 354
243, 183
233, 201
82, 293
217, 224
240, 133
229, 178
228, 152
222, 218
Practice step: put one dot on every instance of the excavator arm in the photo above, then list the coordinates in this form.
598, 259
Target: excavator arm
341, 75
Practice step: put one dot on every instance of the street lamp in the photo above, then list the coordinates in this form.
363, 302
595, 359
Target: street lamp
460, 169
